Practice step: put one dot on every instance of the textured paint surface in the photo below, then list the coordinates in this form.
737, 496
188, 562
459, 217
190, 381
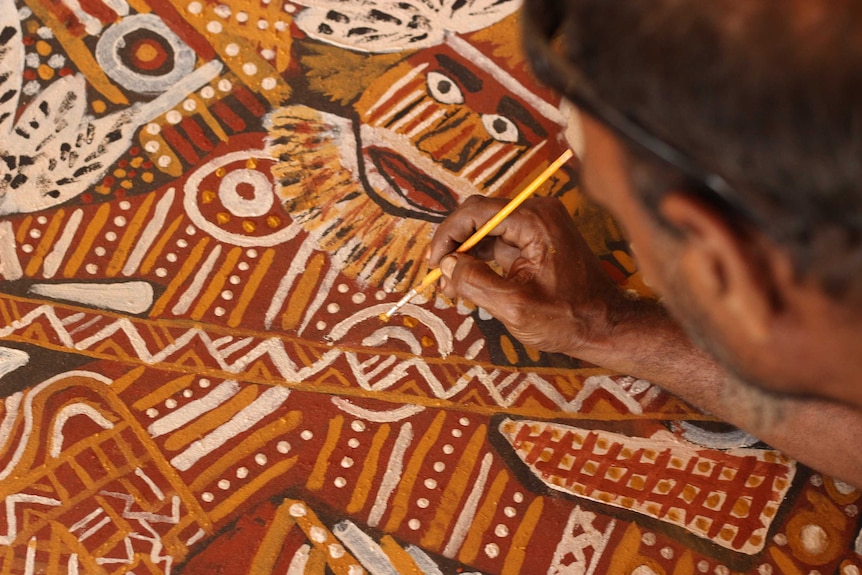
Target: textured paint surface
204, 208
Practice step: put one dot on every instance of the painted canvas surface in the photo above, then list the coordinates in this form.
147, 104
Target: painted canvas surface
204, 206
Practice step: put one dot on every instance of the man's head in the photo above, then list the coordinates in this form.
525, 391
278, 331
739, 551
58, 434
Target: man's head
739, 124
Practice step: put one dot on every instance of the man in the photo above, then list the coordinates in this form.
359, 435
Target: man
726, 138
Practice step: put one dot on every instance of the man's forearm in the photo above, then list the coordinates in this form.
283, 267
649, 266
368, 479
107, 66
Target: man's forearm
648, 344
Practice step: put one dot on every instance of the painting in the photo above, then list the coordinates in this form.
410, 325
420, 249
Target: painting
205, 206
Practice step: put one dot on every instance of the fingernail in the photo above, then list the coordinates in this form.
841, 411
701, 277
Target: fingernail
447, 265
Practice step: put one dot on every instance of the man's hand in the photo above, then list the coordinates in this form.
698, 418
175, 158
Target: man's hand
553, 295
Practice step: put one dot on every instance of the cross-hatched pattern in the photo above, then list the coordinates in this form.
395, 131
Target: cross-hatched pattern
729, 497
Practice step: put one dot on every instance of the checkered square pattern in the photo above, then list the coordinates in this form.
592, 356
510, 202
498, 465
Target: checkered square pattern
661, 477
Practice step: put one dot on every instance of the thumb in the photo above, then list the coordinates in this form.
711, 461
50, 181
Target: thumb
472, 279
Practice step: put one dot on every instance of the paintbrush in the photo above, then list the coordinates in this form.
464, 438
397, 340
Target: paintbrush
480, 234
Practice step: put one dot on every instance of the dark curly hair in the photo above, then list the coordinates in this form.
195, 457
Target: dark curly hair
754, 104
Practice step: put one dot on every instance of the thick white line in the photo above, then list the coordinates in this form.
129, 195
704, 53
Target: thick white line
55, 258
269, 401
151, 231
392, 476
468, 511
194, 409
186, 300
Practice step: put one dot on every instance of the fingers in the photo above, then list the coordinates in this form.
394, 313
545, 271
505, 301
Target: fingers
461, 224
471, 279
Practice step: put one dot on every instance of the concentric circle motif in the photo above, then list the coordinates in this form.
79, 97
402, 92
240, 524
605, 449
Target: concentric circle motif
232, 197
143, 55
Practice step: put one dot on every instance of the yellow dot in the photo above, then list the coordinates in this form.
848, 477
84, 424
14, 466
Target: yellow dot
99, 106
119, 173
220, 172
32, 27
46, 72
273, 221
208, 196
126, 184
427, 341
147, 177
43, 48
251, 163
146, 53
222, 217
102, 189
410, 322
249, 226
136, 162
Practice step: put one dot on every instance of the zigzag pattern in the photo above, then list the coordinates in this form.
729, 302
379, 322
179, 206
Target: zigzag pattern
374, 372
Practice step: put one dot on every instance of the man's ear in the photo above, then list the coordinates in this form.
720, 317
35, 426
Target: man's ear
722, 266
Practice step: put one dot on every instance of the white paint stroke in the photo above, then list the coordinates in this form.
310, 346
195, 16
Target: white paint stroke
150, 233
579, 535
9, 418
400, 83
170, 99
426, 123
92, 25
475, 349
188, 297
389, 416
86, 520
10, 265
493, 168
12, 514
74, 318
55, 258
72, 565
299, 560
128, 297
11, 359
423, 561
441, 332
94, 529
468, 509
337, 262
493, 149
118, 6
194, 409
392, 477
414, 113
199, 534
28, 412
364, 548
464, 329
384, 334
67, 413
596, 382
414, 95
30, 558
236, 346
297, 267
266, 403
150, 483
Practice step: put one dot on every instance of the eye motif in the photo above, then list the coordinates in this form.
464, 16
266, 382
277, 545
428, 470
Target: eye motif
501, 128
443, 89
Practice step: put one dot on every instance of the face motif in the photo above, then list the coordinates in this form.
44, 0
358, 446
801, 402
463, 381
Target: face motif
428, 133
438, 128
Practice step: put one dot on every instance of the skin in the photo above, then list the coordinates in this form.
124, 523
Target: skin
775, 356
